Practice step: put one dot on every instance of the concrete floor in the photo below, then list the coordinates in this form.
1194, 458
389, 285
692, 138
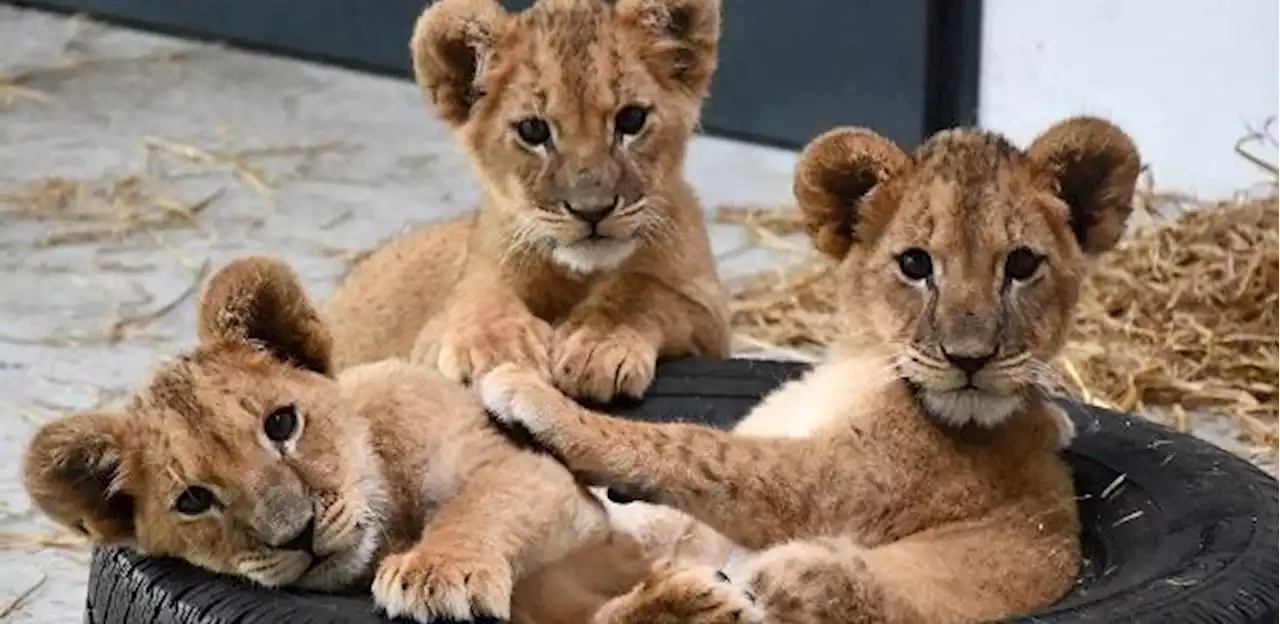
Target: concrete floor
311, 163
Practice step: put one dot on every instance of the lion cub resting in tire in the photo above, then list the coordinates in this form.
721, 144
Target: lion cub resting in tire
247, 456
588, 258
914, 476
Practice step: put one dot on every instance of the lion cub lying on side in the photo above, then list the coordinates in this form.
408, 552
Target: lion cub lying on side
588, 258
913, 477
246, 455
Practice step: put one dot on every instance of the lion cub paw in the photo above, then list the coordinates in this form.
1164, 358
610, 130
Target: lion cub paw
520, 397
695, 595
818, 580
472, 348
597, 363
432, 585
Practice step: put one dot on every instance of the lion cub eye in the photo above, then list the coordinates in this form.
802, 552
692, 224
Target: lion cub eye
630, 120
194, 501
915, 264
533, 131
281, 423
1021, 264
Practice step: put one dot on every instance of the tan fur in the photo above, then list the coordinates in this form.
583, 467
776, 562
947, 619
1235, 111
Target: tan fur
522, 280
886, 485
379, 451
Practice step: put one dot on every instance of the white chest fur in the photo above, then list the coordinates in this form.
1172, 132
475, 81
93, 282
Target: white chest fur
837, 390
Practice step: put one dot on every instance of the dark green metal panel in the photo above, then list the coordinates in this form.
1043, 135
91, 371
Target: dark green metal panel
789, 69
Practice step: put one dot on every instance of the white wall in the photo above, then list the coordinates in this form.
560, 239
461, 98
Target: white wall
1186, 78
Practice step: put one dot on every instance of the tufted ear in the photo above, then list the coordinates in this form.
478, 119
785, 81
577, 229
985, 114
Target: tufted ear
259, 300
1094, 167
679, 38
74, 471
835, 175
452, 44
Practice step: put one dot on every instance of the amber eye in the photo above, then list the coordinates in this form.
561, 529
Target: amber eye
915, 264
630, 120
533, 131
281, 423
1021, 264
194, 501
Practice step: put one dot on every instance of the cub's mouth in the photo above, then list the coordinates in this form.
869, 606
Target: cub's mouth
963, 403
319, 560
595, 253
340, 568
960, 377
601, 238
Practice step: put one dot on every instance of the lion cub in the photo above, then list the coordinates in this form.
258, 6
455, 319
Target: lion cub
914, 476
588, 258
247, 455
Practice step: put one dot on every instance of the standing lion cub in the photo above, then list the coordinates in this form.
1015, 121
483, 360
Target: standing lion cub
915, 475
248, 455
588, 258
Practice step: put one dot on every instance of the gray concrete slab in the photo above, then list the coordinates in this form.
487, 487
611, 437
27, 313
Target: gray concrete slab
309, 162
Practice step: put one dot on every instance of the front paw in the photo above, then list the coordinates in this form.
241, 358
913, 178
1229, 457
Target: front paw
519, 398
695, 595
433, 585
599, 363
821, 580
473, 347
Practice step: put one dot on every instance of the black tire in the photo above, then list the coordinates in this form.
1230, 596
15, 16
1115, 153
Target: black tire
1186, 533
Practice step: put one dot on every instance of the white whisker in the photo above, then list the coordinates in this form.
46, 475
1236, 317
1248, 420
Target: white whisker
1048, 378
655, 229
922, 359
525, 236
633, 208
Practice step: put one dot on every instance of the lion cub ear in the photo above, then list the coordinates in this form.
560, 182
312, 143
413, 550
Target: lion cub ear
74, 470
1094, 168
452, 44
835, 176
680, 40
259, 300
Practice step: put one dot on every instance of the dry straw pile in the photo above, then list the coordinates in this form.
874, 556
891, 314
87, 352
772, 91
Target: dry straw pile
1179, 323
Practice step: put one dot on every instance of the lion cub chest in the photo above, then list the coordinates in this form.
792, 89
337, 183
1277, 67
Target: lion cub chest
840, 391
555, 292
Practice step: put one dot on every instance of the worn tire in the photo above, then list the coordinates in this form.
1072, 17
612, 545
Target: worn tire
1186, 533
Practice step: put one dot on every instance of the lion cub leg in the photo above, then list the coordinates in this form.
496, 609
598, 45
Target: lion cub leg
513, 516
682, 593
751, 490
975, 572
801, 582
817, 581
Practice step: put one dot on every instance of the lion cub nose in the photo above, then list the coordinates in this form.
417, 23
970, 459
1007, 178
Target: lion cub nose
304, 540
967, 363
591, 214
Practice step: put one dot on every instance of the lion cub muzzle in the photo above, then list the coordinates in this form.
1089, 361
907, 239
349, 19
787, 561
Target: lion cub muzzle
592, 212
591, 190
969, 344
282, 515
304, 540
